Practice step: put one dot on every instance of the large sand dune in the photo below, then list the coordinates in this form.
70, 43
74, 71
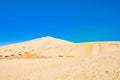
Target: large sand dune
54, 59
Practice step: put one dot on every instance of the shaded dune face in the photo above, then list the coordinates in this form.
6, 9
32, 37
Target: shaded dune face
48, 47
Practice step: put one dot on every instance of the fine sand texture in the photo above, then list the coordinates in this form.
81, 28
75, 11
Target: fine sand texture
49, 58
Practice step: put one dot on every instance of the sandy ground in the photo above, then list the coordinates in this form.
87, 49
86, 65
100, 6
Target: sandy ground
49, 58
98, 67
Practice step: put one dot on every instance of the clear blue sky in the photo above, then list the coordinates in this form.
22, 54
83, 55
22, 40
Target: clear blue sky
73, 20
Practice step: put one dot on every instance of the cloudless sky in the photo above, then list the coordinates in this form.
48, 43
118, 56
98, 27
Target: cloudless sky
73, 20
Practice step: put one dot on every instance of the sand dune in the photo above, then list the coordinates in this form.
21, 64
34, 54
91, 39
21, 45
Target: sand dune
49, 58
53, 47
37, 46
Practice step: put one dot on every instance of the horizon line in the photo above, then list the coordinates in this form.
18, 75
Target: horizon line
17, 42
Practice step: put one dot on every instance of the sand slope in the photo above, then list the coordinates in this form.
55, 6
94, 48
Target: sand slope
49, 58
37, 46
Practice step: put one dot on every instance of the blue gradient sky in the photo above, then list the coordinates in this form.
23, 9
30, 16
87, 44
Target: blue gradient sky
73, 20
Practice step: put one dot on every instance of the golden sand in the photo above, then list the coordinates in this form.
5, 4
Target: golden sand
54, 59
